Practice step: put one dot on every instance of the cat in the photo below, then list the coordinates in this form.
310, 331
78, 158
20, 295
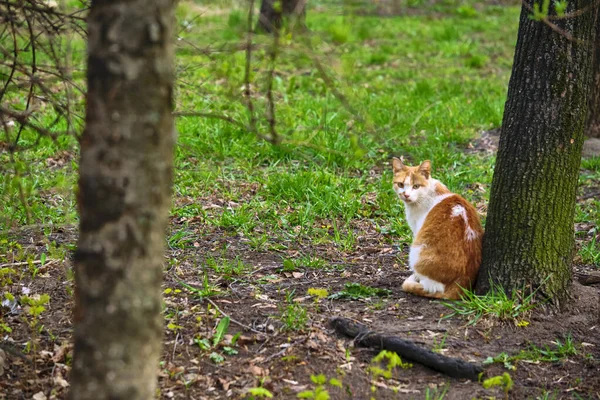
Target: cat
446, 251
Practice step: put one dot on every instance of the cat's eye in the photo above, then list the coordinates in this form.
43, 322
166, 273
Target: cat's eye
416, 186
400, 185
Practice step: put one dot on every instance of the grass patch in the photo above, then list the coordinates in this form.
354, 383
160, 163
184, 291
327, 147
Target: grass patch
590, 252
494, 305
559, 351
356, 291
304, 261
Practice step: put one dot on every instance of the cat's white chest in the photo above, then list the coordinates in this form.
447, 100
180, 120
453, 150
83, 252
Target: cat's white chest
415, 218
416, 213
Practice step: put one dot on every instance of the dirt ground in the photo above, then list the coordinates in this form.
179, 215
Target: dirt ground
281, 360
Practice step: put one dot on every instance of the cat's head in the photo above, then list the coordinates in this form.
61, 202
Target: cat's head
411, 183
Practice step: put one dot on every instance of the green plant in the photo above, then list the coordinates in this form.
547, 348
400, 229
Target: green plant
590, 252
259, 392
319, 392
436, 394
294, 317
393, 361
356, 291
6, 274
504, 381
227, 269
495, 304
304, 261
259, 243
34, 307
207, 290
438, 347
561, 351
206, 344
180, 240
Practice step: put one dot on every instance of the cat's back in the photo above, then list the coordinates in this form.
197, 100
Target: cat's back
452, 219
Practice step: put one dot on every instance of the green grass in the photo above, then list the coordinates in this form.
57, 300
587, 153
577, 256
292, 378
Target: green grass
495, 305
304, 261
559, 351
590, 252
416, 88
293, 316
356, 291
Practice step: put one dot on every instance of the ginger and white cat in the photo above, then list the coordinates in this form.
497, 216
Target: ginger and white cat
446, 251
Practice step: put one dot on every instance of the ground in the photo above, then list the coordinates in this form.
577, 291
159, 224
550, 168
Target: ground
263, 240
285, 337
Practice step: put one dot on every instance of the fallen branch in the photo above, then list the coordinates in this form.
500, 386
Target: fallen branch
453, 367
194, 290
238, 323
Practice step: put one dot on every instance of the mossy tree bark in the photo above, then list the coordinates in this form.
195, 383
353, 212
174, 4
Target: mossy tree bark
124, 197
592, 126
273, 13
529, 230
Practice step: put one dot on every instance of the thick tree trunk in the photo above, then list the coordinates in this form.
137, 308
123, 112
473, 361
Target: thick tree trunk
124, 198
592, 126
274, 12
529, 231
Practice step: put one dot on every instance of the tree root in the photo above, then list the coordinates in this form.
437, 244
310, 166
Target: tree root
408, 350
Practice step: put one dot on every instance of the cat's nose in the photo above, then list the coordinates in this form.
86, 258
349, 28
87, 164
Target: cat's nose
406, 196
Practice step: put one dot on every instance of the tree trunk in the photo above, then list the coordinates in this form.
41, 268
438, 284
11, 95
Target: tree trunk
125, 181
274, 12
528, 241
592, 126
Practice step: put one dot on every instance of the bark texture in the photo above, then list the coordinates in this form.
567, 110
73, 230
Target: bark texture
124, 197
273, 13
529, 230
592, 126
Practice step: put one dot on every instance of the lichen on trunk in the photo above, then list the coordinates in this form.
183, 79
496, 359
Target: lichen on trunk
529, 241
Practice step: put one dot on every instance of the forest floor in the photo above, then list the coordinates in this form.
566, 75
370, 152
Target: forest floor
267, 243
279, 337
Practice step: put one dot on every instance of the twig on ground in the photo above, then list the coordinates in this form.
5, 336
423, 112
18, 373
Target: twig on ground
282, 352
16, 264
238, 323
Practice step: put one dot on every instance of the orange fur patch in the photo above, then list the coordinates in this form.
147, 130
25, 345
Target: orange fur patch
448, 255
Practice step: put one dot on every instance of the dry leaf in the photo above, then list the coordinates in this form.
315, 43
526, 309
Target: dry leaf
312, 345
257, 371
224, 383
39, 396
61, 352
60, 381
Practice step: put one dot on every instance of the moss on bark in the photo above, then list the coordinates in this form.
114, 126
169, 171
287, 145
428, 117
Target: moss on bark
529, 230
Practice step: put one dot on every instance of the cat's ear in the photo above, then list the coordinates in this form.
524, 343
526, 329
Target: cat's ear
425, 168
398, 165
